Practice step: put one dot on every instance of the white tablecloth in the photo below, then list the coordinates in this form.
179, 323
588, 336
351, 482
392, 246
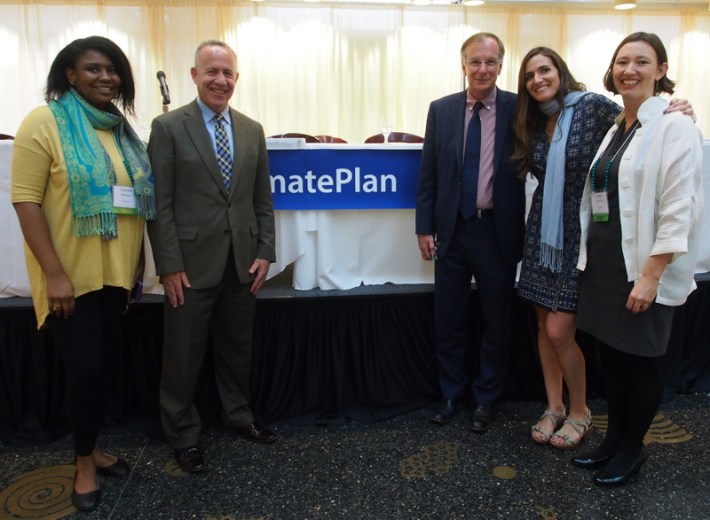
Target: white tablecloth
330, 249
346, 248
13, 275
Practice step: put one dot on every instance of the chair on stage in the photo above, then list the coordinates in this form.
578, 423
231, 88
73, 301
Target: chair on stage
5, 136
294, 135
330, 139
395, 137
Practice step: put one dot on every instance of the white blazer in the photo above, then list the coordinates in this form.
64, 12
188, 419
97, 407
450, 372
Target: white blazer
660, 198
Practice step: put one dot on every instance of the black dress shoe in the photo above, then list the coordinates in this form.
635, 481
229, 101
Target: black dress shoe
190, 459
86, 501
446, 413
255, 432
482, 418
118, 469
589, 461
607, 479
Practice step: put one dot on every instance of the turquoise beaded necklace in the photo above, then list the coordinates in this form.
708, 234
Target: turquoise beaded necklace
629, 135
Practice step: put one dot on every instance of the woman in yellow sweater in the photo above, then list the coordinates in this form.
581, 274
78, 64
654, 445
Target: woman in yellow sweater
82, 189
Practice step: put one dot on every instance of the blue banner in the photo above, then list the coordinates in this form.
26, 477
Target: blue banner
344, 178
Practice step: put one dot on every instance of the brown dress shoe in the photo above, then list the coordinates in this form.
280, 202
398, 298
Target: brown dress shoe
190, 459
255, 432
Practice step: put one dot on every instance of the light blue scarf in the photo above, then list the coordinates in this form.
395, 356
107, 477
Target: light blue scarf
89, 168
552, 229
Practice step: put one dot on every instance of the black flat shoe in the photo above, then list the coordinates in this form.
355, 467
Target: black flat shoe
606, 479
446, 413
85, 501
118, 469
589, 461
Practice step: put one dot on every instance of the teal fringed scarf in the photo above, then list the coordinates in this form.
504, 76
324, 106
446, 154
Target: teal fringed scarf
89, 168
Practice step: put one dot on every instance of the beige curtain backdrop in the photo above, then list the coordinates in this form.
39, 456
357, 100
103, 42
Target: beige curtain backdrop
326, 68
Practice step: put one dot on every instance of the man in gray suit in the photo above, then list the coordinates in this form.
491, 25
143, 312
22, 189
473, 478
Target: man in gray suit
213, 241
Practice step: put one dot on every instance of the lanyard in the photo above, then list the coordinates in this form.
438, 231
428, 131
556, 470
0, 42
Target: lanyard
629, 135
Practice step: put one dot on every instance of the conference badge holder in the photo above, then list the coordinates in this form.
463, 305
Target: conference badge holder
600, 206
124, 200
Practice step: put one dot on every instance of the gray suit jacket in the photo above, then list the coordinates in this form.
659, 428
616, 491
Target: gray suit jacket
198, 220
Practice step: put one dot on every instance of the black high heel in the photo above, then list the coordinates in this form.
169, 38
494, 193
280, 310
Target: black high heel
589, 461
606, 479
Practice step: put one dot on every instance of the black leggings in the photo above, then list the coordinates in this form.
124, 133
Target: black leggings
86, 343
634, 387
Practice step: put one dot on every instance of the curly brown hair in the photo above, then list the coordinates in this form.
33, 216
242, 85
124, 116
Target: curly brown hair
58, 84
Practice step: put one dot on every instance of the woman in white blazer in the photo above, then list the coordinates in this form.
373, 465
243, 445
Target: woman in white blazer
640, 215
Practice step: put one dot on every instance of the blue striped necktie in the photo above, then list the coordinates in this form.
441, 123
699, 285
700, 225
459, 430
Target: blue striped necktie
471, 160
224, 157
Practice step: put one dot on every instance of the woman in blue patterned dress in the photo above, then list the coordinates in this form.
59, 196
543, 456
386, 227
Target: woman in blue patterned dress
559, 127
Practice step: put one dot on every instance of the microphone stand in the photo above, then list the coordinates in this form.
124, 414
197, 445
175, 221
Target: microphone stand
164, 92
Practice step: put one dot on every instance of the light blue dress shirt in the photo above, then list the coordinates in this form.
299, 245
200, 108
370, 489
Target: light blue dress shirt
209, 117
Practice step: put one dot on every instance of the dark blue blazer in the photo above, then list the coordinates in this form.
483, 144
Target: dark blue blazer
439, 187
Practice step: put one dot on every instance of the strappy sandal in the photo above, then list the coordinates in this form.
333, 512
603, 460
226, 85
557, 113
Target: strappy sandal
554, 418
580, 428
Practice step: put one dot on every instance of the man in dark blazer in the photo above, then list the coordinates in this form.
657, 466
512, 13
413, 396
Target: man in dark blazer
213, 241
484, 241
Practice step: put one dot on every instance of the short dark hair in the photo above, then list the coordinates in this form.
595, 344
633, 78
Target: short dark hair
528, 116
58, 84
479, 37
662, 85
213, 43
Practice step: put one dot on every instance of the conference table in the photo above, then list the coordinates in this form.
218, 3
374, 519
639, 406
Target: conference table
329, 249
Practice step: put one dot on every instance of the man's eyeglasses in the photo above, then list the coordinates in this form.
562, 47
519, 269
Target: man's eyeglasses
475, 62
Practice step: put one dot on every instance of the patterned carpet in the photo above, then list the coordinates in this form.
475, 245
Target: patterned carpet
402, 468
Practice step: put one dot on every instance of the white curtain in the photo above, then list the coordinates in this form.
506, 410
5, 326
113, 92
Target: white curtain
331, 69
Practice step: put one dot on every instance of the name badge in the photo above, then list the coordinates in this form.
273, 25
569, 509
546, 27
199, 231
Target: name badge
600, 206
124, 200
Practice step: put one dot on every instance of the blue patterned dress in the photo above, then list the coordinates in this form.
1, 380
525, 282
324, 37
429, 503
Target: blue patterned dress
594, 115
